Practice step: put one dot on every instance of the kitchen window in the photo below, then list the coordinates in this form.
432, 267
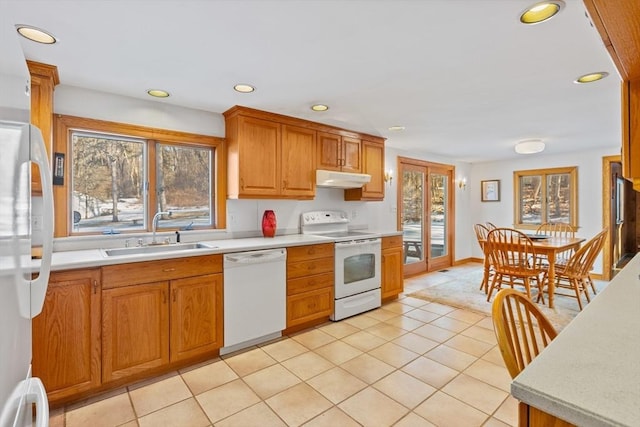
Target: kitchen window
546, 196
120, 176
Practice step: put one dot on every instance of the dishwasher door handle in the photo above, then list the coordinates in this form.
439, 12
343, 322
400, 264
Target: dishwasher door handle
255, 257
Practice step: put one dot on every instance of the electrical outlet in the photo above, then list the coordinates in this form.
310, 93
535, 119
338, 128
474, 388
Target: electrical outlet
36, 222
354, 214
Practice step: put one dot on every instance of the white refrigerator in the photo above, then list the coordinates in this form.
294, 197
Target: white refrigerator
21, 297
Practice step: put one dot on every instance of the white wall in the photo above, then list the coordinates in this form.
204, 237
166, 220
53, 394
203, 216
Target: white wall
73, 101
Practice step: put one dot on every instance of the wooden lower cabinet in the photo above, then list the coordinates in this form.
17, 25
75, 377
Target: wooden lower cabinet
66, 335
196, 316
148, 325
135, 329
310, 280
529, 416
392, 266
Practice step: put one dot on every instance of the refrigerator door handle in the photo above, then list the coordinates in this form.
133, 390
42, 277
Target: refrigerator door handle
39, 285
38, 395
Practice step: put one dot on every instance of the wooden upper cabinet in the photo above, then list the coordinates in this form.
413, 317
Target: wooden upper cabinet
339, 153
631, 132
66, 335
617, 23
298, 162
254, 158
271, 156
373, 164
44, 79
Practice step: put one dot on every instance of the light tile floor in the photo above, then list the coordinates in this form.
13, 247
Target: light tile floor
408, 363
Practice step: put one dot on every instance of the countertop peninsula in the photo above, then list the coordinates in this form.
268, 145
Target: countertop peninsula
590, 373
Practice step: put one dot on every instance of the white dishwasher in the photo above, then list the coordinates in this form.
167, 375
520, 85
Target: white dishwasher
255, 297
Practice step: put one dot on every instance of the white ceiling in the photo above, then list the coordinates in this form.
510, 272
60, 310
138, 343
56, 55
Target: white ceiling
464, 77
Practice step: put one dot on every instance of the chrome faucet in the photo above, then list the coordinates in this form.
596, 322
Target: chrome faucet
154, 224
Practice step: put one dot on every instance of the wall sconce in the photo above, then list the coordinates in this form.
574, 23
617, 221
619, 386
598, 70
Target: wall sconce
462, 183
388, 176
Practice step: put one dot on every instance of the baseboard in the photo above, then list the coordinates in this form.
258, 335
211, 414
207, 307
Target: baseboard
468, 260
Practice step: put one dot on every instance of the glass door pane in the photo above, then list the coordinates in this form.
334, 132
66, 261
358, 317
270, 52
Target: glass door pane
439, 196
413, 215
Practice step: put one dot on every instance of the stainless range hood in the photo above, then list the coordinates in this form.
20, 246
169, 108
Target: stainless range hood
333, 179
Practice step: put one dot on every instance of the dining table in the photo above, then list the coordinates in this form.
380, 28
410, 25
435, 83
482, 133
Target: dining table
547, 245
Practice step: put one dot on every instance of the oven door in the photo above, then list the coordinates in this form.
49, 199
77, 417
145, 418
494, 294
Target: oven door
357, 267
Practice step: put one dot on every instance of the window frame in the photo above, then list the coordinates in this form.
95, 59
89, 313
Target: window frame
64, 125
572, 171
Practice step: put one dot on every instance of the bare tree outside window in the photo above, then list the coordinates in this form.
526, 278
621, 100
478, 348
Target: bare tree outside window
107, 181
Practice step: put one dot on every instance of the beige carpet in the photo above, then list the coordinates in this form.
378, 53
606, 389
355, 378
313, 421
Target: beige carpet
460, 287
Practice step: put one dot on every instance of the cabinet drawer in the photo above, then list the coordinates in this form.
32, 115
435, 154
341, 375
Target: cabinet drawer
306, 268
115, 276
309, 283
303, 253
309, 306
391, 242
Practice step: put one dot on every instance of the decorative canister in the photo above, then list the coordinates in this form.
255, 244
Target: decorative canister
269, 223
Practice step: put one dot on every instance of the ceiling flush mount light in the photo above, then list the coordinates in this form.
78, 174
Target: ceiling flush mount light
529, 146
591, 77
35, 34
319, 107
158, 93
244, 88
541, 12
396, 128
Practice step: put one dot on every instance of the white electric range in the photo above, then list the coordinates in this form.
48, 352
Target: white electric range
357, 262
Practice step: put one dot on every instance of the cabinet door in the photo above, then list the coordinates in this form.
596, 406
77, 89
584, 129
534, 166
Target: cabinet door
135, 329
631, 132
373, 164
196, 316
392, 280
298, 162
66, 335
259, 157
329, 151
351, 155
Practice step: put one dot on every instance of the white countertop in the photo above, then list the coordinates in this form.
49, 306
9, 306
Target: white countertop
85, 258
590, 374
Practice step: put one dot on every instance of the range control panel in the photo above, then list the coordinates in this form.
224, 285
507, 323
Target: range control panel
324, 217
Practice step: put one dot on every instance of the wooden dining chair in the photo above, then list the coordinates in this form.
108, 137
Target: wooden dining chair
575, 273
522, 330
514, 261
490, 226
559, 230
481, 234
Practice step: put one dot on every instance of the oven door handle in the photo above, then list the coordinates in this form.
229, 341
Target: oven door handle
352, 243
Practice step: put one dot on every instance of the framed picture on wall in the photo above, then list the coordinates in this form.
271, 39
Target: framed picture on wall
490, 190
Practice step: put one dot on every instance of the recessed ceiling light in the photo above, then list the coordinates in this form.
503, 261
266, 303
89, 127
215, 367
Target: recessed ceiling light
35, 34
529, 146
396, 128
591, 77
158, 93
244, 88
319, 107
542, 11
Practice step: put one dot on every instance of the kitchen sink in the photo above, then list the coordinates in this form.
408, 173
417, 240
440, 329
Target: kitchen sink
154, 249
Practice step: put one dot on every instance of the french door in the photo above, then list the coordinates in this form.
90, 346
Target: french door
426, 215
